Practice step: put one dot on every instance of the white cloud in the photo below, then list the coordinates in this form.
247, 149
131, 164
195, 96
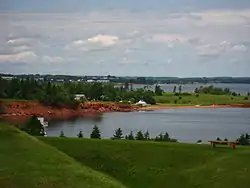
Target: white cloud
105, 40
166, 38
239, 47
55, 59
19, 41
25, 57
22, 48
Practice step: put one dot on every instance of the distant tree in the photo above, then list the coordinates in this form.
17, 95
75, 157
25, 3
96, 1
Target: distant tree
199, 141
34, 127
225, 139
234, 94
166, 137
126, 86
131, 136
95, 133
196, 90
139, 135
239, 94
118, 134
174, 89
62, 134
244, 139
180, 88
158, 90
218, 139
248, 94
146, 135
80, 134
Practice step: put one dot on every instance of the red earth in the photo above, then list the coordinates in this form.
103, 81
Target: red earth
19, 112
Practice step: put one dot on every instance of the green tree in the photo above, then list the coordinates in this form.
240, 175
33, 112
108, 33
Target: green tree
130, 136
166, 137
34, 127
174, 89
95, 133
158, 90
146, 135
80, 134
62, 134
118, 134
139, 135
180, 88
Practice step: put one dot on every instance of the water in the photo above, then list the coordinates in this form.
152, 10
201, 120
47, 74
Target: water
187, 125
243, 89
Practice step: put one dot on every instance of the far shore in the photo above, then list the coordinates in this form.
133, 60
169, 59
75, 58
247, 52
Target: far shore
166, 106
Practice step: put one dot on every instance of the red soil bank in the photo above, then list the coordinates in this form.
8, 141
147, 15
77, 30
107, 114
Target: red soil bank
18, 112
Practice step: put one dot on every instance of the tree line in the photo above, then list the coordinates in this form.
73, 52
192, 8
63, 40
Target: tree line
60, 94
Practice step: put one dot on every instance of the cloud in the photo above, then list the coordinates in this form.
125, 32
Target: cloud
105, 40
239, 47
55, 59
165, 38
25, 57
22, 48
19, 41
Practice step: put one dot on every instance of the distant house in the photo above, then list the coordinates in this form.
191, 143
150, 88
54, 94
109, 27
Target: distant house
79, 97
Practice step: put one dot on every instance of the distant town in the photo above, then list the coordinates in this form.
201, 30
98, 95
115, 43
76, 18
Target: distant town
129, 79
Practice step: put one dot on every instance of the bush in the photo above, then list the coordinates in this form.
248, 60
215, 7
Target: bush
80, 135
95, 133
245, 98
34, 127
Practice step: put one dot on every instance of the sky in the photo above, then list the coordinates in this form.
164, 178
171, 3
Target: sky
184, 38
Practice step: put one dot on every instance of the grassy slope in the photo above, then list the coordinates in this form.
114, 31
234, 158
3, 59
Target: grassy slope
26, 162
203, 99
157, 165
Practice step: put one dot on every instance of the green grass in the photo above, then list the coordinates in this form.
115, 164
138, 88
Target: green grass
156, 165
26, 162
202, 99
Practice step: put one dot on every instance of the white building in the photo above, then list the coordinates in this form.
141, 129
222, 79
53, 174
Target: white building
80, 97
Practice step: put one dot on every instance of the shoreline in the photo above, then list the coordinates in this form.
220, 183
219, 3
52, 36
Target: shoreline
19, 112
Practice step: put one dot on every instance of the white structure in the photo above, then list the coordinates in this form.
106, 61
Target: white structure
79, 97
43, 122
141, 103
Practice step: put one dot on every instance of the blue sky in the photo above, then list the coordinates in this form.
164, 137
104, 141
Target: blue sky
129, 38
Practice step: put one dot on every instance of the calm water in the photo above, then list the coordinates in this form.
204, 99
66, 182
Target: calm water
239, 88
187, 125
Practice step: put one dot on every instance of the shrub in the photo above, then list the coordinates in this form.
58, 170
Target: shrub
118, 134
34, 127
245, 98
95, 133
80, 134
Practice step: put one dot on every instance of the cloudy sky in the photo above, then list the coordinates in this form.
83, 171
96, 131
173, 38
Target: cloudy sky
184, 38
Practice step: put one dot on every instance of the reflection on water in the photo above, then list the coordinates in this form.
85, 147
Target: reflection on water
188, 125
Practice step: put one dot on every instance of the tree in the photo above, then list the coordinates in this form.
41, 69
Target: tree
95, 133
139, 135
62, 134
118, 134
130, 136
180, 88
34, 127
244, 139
248, 94
218, 139
158, 90
166, 137
146, 135
80, 134
174, 89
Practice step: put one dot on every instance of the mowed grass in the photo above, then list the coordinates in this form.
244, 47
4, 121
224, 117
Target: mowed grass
156, 165
201, 99
26, 162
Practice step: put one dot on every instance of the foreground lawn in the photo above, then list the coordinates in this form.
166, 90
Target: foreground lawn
26, 162
157, 165
201, 99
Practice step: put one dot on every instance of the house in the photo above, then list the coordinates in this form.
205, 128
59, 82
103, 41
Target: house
79, 97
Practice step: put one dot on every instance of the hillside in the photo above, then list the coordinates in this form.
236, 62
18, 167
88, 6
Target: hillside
156, 165
26, 162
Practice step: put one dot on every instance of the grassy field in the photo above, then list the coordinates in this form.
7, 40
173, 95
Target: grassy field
156, 165
202, 99
26, 162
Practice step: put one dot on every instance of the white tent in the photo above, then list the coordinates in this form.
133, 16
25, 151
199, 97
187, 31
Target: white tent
141, 103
